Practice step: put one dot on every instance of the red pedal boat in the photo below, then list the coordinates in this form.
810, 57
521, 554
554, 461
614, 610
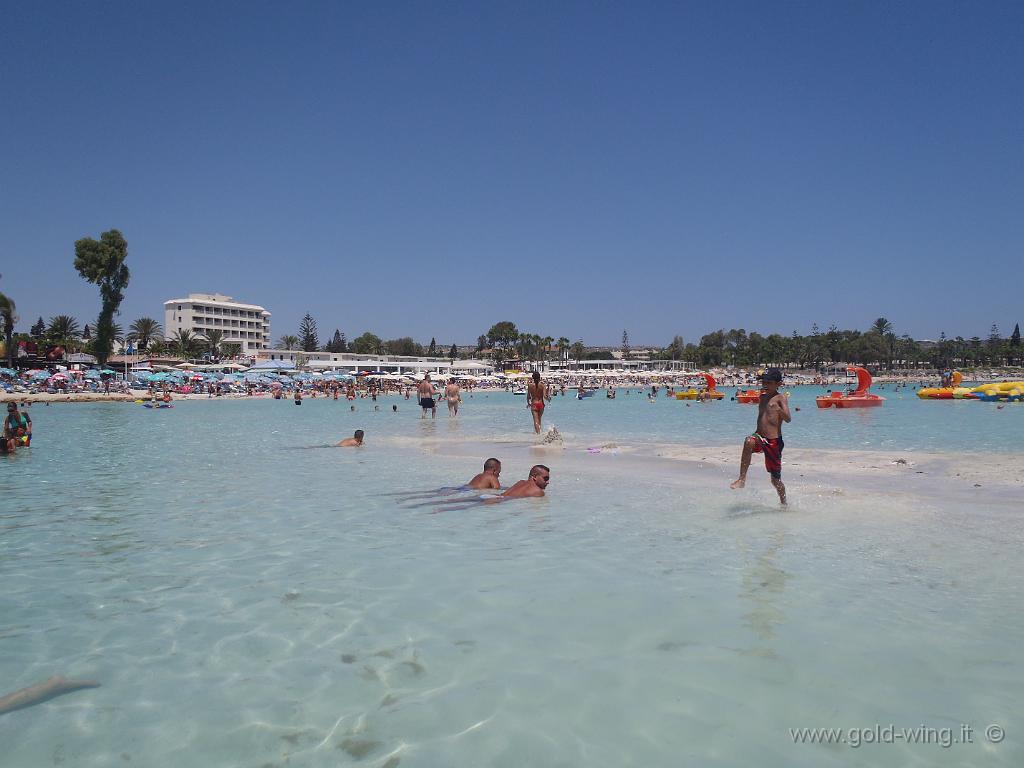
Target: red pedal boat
749, 396
859, 398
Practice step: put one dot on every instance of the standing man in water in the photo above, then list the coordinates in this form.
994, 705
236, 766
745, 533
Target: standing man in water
454, 397
425, 392
772, 410
536, 394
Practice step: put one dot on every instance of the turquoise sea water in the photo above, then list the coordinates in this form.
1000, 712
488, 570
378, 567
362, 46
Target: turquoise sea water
247, 599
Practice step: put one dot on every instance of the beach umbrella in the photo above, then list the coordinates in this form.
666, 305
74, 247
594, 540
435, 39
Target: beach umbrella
40, 376
8, 372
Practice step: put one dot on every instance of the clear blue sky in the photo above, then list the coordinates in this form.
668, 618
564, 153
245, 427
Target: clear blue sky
431, 168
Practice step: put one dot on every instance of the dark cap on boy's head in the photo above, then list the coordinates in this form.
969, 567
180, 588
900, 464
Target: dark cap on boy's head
772, 374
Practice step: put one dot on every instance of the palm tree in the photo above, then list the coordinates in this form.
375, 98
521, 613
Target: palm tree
9, 318
881, 326
563, 345
538, 343
184, 343
545, 345
578, 351
214, 337
63, 330
288, 342
144, 330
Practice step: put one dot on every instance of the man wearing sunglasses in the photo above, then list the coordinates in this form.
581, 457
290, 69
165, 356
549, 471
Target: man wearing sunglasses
534, 485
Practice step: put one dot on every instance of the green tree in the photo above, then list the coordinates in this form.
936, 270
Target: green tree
711, 349
185, 344
502, 337
102, 263
143, 331
308, 334
63, 330
545, 347
288, 342
625, 344
676, 348
993, 346
403, 346
563, 348
214, 339
337, 343
453, 353
432, 349
8, 317
367, 344
881, 326
39, 329
577, 351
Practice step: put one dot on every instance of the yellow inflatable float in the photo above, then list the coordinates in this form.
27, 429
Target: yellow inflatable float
708, 394
1012, 391
955, 392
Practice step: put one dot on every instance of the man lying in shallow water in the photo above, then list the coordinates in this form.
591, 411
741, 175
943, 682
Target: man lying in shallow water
352, 442
486, 480
532, 487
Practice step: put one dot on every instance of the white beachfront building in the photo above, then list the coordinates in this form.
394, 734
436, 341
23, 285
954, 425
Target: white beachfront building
247, 325
354, 362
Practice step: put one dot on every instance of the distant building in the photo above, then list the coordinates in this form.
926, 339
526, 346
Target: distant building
354, 362
247, 325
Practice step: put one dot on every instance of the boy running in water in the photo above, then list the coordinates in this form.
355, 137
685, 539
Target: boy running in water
772, 410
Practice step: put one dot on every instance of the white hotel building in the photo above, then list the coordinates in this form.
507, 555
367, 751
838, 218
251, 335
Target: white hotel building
247, 325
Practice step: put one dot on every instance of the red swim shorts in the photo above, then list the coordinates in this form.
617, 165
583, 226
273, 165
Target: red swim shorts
772, 450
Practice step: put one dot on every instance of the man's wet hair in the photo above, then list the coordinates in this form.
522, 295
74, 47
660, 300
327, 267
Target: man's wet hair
536, 469
491, 464
359, 434
536, 377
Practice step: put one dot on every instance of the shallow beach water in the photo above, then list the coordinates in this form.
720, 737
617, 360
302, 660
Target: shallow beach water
247, 598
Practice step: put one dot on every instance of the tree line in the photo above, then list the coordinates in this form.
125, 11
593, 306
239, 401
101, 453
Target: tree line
880, 345
307, 340
143, 335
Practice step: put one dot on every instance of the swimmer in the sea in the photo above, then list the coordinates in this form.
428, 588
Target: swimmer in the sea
532, 487
352, 442
489, 479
